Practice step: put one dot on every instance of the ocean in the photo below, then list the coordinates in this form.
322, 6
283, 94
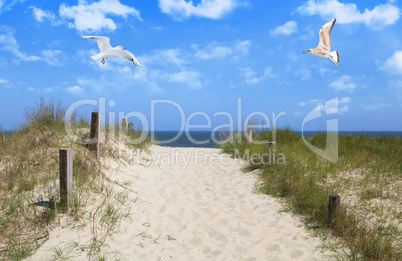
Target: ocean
205, 139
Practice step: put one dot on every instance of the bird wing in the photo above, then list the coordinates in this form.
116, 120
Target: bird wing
325, 35
128, 56
103, 42
332, 59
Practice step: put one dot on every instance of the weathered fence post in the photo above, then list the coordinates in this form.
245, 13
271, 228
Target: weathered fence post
124, 125
66, 176
249, 135
95, 132
271, 146
271, 152
2, 139
333, 206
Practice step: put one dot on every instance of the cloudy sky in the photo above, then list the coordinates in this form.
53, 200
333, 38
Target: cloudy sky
207, 58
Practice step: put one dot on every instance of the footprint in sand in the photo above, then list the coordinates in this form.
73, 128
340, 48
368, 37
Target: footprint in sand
295, 254
273, 247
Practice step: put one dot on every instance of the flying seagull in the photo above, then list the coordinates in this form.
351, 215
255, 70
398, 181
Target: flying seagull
324, 46
108, 51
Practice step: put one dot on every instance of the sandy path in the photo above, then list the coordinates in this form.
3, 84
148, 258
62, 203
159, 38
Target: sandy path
203, 209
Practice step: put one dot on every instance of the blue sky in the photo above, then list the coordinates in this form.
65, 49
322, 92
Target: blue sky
205, 56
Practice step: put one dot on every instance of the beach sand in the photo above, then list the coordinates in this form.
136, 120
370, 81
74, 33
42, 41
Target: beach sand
189, 204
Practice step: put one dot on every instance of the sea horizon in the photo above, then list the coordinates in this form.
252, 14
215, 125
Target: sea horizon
203, 138
184, 141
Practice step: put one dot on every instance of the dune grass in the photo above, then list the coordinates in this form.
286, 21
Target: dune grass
367, 176
29, 188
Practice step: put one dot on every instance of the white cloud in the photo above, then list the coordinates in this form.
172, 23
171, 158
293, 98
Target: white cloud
378, 17
8, 43
97, 84
287, 29
2, 81
164, 57
153, 79
156, 78
213, 50
212, 9
343, 83
5, 83
6, 5
93, 17
305, 74
243, 47
75, 89
188, 78
323, 71
149, 78
174, 62
231, 85
394, 64
314, 102
345, 100
169, 67
343, 109
161, 69
251, 77
51, 89
40, 15
331, 106
335, 107
52, 57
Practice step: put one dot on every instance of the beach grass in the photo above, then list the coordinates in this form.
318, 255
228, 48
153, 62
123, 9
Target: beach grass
367, 176
29, 173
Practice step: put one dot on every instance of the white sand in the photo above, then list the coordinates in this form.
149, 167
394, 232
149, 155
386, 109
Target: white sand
206, 209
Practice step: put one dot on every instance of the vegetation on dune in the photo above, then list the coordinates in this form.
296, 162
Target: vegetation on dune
29, 173
367, 176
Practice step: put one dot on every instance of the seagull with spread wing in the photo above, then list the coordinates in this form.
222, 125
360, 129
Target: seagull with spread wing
106, 50
324, 46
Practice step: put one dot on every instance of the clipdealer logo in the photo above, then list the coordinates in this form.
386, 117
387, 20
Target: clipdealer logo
330, 107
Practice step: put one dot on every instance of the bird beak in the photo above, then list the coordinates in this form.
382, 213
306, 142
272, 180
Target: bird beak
305, 52
124, 48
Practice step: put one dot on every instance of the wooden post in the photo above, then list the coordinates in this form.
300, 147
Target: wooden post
333, 206
124, 125
271, 146
95, 132
2, 138
66, 176
249, 136
271, 152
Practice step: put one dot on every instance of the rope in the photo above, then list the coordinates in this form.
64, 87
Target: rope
357, 213
368, 220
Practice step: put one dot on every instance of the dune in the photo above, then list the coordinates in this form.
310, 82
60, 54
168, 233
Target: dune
189, 204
